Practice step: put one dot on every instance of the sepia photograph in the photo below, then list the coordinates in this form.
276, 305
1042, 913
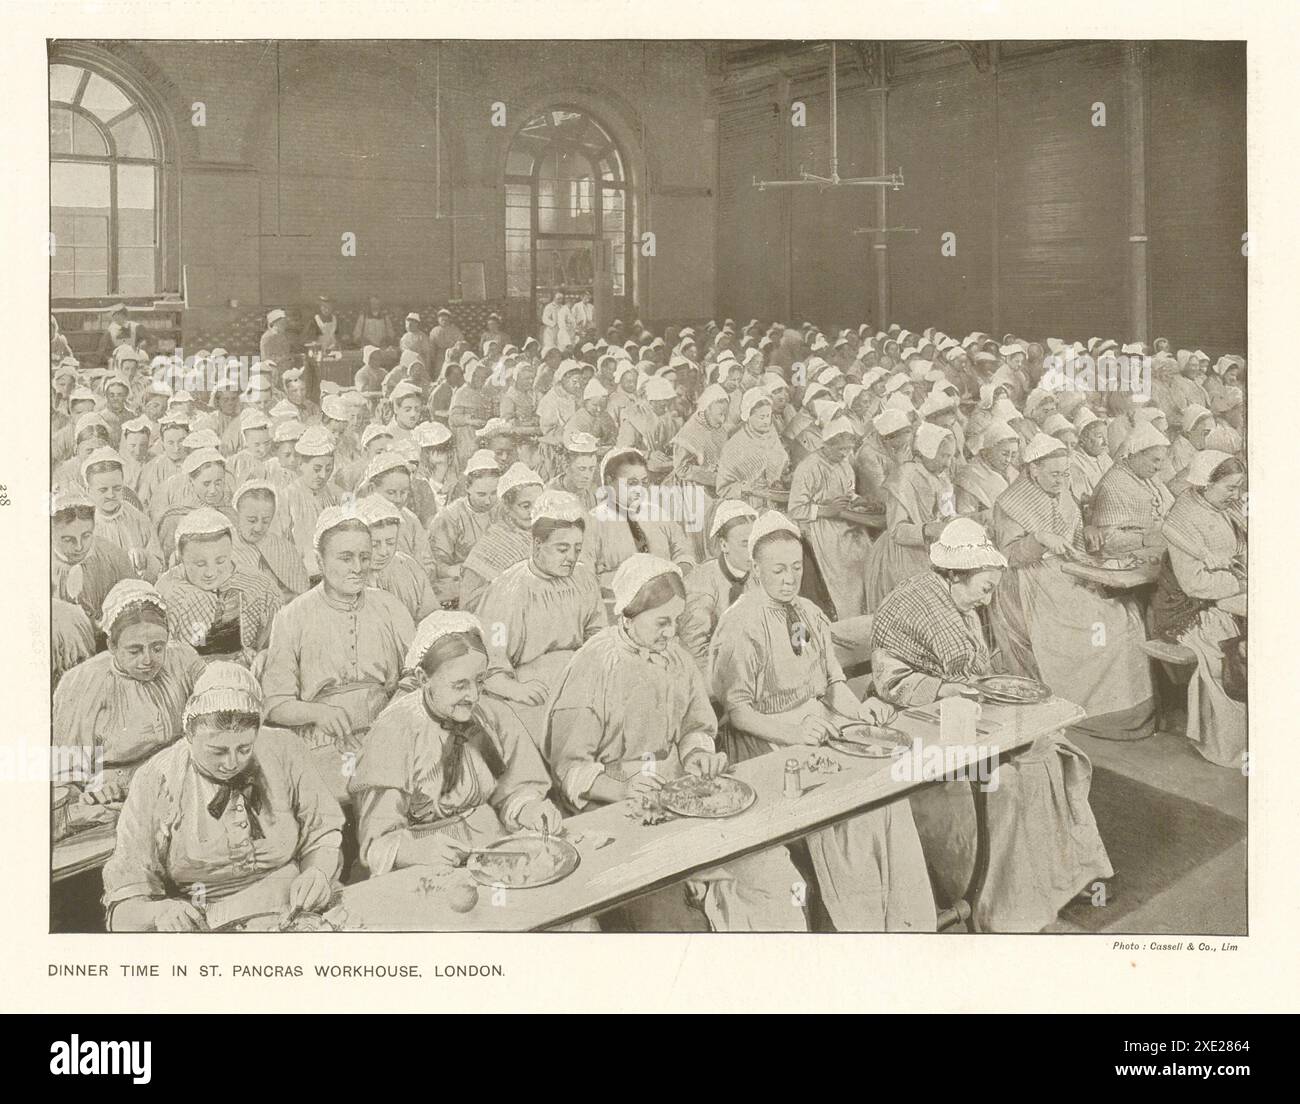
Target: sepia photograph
648, 486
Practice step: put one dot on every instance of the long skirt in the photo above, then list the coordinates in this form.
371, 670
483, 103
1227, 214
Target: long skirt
1215, 723
842, 550
888, 564
1044, 846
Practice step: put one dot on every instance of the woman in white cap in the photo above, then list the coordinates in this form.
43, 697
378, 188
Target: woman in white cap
456, 529
928, 643
627, 521
250, 461
821, 489
519, 405
718, 581
1090, 460
471, 406
1130, 501
391, 568
203, 483
550, 331
507, 541
389, 476
432, 480
118, 708
886, 447
446, 768
630, 712
224, 418
335, 653
1206, 536
540, 611
1196, 426
778, 684
753, 461
214, 604
977, 485
696, 450
166, 463
117, 521
283, 465
311, 491
262, 544
91, 434
919, 501
227, 808
1086, 646
591, 418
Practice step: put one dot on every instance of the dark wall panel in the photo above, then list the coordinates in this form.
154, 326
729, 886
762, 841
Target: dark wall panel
751, 228
1197, 194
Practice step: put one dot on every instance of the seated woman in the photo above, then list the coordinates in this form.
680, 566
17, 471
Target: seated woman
539, 612
505, 542
311, 491
822, 487
918, 503
213, 604
432, 480
335, 653
578, 474
1130, 501
72, 638
260, 545
1205, 561
1090, 460
123, 705
389, 476
927, 644
717, 582
444, 767
457, 529
1084, 644
391, 569
83, 568
775, 676
887, 446
218, 812
753, 461
977, 485
632, 699
696, 450
620, 525
117, 522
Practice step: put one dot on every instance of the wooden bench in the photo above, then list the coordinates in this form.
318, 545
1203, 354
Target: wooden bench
1176, 659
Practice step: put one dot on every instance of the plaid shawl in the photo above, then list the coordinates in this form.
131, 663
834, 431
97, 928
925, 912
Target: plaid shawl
1034, 510
192, 612
502, 545
1121, 498
919, 624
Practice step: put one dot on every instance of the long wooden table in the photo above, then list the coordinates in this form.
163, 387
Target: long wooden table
621, 859
1126, 578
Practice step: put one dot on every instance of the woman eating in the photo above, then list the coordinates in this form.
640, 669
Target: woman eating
927, 644
977, 485
458, 528
776, 678
1205, 561
621, 524
117, 522
310, 491
260, 546
754, 461
1048, 623
507, 541
446, 768
1130, 501
123, 705
218, 812
696, 450
391, 569
632, 696
214, 604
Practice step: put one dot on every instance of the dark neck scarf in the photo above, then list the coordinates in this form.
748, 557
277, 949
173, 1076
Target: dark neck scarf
795, 624
460, 734
248, 784
737, 581
638, 535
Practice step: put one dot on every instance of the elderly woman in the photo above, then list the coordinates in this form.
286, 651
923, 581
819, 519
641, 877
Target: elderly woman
556, 407
977, 484
1205, 562
1090, 460
1130, 501
261, 545
217, 606
539, 612
820, 491
1196, 426
632, 698
718, 582
117, 522
204, 484
389, 476
391, 569
622, 523
918, 502
1086, 646
445, 768
505, 542
432, 480
223, 810
753, 461
458, 528
927, 644
697, 449
335, 653
886, 447
83, 568
120, 707
777, 681
578, 469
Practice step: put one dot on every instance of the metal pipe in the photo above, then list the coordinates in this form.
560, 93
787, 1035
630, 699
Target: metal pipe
835, 122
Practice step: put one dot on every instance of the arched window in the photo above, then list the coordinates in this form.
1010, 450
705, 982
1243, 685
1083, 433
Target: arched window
567, 203
105, 182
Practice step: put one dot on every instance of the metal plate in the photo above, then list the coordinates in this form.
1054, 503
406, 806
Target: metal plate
1012, 689
550, 858
871, 741
270, 922
719, 796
